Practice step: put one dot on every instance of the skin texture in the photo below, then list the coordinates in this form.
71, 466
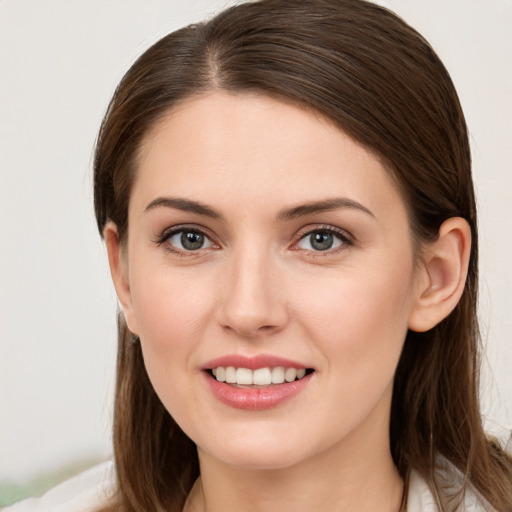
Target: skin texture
258, 286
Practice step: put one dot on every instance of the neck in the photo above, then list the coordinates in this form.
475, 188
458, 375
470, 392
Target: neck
357, 474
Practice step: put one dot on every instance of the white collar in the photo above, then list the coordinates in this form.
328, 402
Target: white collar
421, 497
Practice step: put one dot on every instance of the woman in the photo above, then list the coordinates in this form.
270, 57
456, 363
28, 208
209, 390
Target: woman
286, 199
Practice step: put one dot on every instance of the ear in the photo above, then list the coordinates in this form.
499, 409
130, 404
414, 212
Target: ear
117, 260
442, 275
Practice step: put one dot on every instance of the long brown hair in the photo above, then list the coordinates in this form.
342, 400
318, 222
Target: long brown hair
365, 69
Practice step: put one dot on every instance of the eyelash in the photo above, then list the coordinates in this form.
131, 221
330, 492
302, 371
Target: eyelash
175, 230
343, 237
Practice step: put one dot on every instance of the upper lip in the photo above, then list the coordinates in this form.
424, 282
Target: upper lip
252, 363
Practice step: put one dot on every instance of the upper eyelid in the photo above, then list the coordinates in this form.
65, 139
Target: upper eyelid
306, 230
172, 230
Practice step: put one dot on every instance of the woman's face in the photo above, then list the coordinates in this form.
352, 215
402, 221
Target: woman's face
264, 244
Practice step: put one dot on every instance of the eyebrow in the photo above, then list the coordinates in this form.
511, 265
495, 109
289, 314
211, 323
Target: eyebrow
184, 205
322, 206
302, 210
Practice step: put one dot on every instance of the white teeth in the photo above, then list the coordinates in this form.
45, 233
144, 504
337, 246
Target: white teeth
244, 376
262, 377
278, 375
259, 377
290, 374
230, 375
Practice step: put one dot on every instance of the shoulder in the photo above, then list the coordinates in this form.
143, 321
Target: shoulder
86, 492
421, 497
501, 436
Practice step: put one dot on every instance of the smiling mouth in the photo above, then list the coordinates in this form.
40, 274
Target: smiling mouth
260, 377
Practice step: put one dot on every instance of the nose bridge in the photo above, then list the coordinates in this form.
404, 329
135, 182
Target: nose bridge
252, 303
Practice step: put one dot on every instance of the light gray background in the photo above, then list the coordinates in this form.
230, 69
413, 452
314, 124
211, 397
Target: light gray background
59, 64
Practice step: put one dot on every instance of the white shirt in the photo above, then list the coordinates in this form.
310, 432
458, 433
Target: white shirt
86, 492
90, 490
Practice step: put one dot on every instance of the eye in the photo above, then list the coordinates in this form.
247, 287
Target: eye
322, 240
188, 240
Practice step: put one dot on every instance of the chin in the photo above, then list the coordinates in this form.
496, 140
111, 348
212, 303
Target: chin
262, 459
267, 451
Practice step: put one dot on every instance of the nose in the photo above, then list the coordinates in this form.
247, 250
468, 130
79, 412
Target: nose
253, 296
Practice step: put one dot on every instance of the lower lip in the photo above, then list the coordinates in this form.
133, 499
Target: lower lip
256, 399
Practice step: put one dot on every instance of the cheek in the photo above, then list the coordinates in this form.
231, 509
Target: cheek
170, 305
172, 311
358, 326
360, 320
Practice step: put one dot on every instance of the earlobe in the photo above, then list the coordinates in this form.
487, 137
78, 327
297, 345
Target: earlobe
443, 275
119, 272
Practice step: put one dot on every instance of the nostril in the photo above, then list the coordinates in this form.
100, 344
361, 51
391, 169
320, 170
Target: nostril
267, 328
251, 330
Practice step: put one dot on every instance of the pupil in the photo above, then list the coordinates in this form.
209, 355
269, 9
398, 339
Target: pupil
192, 241
321, 241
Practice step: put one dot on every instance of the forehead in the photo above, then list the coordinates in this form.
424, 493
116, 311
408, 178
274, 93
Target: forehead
256, 149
